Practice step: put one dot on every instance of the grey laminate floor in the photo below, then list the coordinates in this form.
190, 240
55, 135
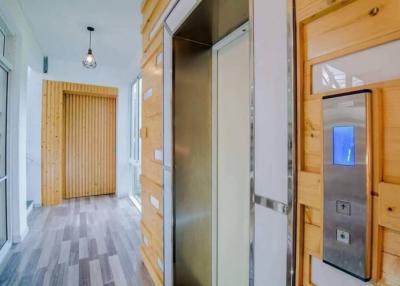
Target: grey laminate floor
88, 241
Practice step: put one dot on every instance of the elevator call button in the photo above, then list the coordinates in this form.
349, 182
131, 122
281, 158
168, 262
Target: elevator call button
343, 236
343, 207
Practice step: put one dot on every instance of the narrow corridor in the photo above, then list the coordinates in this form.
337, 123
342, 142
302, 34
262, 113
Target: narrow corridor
88, 241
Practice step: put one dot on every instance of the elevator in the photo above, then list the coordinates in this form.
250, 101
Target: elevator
207, 132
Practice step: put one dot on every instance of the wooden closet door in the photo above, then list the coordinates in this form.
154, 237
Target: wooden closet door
89, 145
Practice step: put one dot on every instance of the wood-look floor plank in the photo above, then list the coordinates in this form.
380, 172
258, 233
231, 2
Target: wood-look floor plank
95, 273
84, 272
116, 268
84, 241
38, 278
64, 252
83, 248
105, 269
73, 275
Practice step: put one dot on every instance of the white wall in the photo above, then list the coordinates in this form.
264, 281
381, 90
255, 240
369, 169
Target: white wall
106, 76
23, 51
271, 137
33, 138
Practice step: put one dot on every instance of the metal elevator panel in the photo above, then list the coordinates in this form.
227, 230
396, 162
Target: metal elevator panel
194, 240
346, 210
212, 20
192, 164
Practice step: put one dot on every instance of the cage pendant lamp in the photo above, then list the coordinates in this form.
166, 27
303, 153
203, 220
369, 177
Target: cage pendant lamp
89, 61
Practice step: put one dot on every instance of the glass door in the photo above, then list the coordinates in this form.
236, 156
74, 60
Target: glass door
3, 138
136, 122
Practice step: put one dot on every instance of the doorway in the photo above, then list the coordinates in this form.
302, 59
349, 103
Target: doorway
89, 133
207, 177
89, 145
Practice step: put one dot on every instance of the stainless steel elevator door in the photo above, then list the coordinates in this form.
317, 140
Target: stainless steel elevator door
233, 161
192, 164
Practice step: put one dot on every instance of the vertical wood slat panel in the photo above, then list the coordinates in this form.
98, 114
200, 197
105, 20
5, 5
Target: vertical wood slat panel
90, 146
55, 168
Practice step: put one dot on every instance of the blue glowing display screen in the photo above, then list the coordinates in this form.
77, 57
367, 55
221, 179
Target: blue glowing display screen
344, 145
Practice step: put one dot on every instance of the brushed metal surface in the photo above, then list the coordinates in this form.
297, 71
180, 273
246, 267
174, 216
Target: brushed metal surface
190, 75
346, 184
192, 163
271, 204
212, 20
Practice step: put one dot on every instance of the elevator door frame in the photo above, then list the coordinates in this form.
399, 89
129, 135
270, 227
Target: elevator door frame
224, 42
176, 17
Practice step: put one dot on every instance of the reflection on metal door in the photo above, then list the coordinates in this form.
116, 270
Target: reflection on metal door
233, 159
89, 145
192, 164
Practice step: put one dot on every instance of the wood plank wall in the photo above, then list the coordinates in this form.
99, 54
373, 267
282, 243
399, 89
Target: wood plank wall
89, 145
151, 135
53, 134
327, 30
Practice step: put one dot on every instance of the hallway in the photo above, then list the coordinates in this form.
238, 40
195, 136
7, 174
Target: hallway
88, 241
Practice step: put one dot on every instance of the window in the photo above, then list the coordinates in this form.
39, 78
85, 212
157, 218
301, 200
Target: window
2, 43
3, 157
376, 64
136, 123
4, 74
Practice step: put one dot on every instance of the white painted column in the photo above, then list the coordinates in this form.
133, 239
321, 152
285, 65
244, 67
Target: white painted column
271, 139
34, 139
16, 160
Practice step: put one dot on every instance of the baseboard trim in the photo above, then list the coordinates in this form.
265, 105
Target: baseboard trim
17, 238
4, 251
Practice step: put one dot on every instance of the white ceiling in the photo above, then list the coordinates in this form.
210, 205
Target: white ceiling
60, 28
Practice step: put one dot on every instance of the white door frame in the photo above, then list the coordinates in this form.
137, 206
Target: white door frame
179, 12
6, 65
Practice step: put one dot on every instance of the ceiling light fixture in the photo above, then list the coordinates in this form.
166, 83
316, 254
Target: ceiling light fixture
89, 61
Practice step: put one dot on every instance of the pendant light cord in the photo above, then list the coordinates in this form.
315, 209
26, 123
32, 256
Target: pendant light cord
90, 39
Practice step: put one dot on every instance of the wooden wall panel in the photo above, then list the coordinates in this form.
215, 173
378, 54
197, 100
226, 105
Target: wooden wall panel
53, 134
390, 270
152, 80
310, 189
151, 135
308, 8
327, 30
391, 135
89, 145
351, 25
149, 22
